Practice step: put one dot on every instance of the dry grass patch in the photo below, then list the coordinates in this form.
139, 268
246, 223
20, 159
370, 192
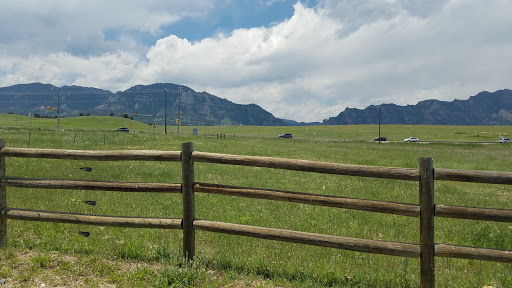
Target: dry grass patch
54, 269
34, 268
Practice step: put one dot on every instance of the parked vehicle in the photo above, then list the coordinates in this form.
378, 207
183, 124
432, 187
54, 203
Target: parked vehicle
505, 140
411, 139
122, 129
380, 139
286, 135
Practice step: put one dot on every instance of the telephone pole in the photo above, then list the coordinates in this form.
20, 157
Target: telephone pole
153, 124
378, 106
58, 108
165, 111
179, 111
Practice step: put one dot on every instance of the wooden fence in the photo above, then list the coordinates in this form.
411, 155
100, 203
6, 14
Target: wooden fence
425, 175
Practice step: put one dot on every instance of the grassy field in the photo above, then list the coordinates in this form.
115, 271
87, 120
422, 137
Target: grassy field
55, 254
394, 133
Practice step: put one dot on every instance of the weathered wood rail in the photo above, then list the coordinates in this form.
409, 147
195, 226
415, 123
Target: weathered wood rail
425, 175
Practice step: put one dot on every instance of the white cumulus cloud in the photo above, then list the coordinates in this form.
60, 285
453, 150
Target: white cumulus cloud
308, 67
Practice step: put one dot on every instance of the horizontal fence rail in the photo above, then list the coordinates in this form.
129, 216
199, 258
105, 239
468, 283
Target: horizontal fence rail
489, 177
340, 242
91, 185
86, 219
354, 244
427, 210
312, 199
473, 253
474, 213
93, 155
309, 166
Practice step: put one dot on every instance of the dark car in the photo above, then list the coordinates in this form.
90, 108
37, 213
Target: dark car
380, 139
285, 135
122, 129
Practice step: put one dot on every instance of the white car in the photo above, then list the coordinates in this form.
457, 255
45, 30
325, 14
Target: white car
411, 139
505, 140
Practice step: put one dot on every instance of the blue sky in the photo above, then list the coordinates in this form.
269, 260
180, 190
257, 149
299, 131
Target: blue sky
232, 15
221, 17
300, 60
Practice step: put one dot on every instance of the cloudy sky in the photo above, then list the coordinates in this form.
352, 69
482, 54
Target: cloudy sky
301, 60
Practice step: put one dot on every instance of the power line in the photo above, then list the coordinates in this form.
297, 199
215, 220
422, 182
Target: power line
80, 92
243, 106
143, 93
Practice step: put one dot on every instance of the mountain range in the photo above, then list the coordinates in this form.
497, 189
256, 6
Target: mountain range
204, 109
485, 108
141, 101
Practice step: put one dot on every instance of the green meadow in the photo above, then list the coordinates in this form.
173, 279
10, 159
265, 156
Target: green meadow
57, 255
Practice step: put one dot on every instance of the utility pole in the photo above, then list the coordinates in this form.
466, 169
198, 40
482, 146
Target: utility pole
179, 111
378, 106
153, 124
58, 108
165, 109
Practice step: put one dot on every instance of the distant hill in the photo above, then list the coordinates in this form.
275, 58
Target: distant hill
197, 108
485, 108
36, 97
204, 109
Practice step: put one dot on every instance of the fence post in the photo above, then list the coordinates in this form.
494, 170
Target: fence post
3, 200
187, 189
427, 249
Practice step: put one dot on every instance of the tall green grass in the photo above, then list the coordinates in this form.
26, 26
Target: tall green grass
287, 264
